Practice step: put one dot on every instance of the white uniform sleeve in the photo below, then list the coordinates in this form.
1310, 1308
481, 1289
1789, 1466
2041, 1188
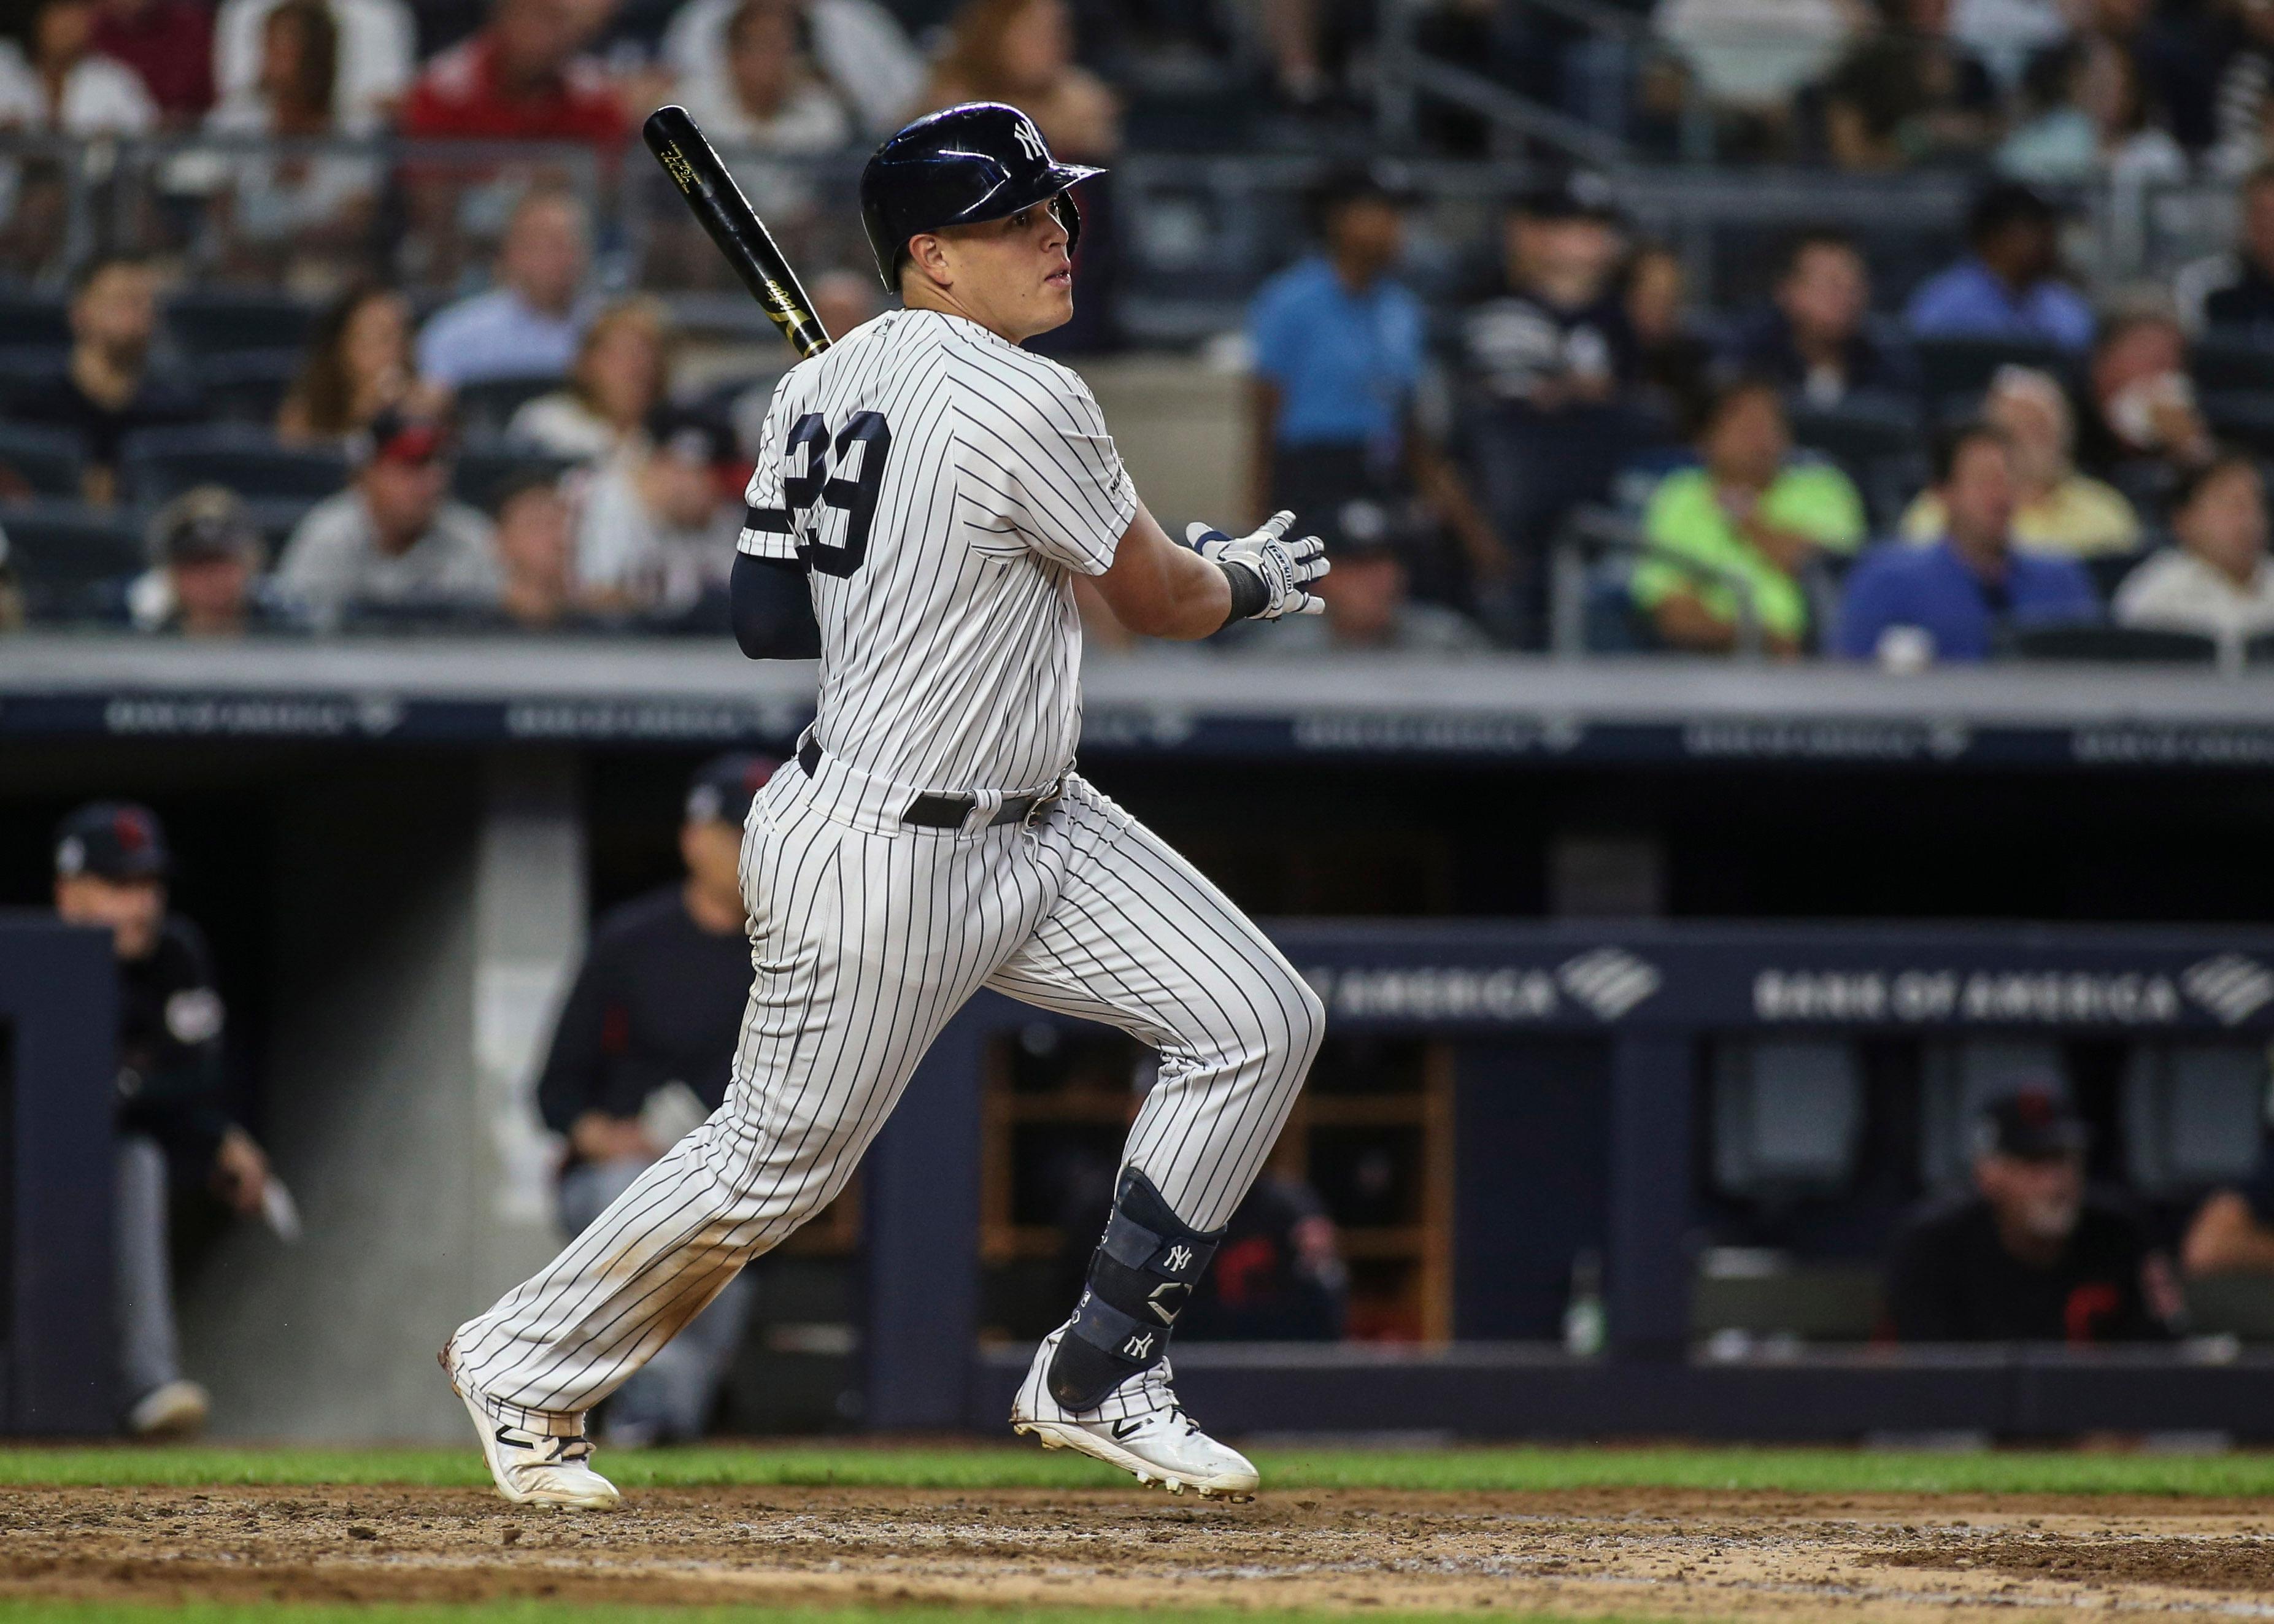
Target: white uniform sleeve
1046, 468
769, 529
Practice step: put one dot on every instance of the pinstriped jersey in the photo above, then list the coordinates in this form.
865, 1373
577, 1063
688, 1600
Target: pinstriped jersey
941, 486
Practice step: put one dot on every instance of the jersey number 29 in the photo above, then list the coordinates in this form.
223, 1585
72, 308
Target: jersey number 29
854, 497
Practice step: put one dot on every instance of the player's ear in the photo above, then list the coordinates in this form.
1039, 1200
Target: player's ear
927, 255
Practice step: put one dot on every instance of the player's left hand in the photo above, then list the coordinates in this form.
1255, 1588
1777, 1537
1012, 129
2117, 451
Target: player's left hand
1285, 568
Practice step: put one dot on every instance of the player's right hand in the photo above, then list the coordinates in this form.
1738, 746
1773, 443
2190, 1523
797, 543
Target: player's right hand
1285, 568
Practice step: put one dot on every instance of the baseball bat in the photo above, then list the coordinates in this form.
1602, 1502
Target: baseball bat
693, 164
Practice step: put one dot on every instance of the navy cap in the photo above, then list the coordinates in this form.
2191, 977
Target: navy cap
113, 841
2034, 1124
725, 785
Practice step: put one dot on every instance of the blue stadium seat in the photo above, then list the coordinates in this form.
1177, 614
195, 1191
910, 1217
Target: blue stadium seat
210, 321
71, 559
45, 461
485, 466
2232, 361
32, 317
1957, 367
2122, 646
249, 386
157, 464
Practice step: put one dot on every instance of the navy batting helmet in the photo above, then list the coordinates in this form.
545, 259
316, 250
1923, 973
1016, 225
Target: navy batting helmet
981, 160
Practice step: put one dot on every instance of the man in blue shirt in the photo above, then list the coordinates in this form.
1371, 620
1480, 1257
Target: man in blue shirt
1961, 592
527, 326
1338, 345
2006, 288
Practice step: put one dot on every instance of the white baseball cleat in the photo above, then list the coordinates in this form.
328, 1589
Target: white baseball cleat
1139, 1427
534, 1469
173, 1408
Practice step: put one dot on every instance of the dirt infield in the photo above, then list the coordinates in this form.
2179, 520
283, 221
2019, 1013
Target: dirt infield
1656, 1554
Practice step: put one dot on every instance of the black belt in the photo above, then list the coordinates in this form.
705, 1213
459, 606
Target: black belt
946, 811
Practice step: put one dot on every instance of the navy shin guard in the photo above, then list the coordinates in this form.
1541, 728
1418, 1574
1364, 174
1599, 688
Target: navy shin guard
1140, 1277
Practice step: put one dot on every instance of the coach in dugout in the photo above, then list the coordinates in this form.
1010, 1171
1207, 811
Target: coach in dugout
2028, 1257
641, 1056
111, 868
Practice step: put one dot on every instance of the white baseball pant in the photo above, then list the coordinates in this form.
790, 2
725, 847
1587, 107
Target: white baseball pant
867, 935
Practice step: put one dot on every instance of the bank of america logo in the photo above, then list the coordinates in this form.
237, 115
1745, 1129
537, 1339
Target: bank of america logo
1609, 981
2231, 988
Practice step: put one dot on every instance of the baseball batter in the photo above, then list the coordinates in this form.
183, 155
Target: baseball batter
937, 488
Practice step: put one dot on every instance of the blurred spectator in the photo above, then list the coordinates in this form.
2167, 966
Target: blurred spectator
642, 1054
2028, 1257
843, 299
2007, 35
359, 364
169, 43
111, 386
2245, 80
12, 594
527, 324
1753, 57
1337, 346
623, 363
1279, 1274
657, 530
765, 92
1750, 512
296, 218
1909, 95
2143, 428
858, 46
173, 1129
378, 54
521, 77
2057, 509
2096, 124
2174, 56
2008, 286
1544, 354
2217, 581
2233, 1230
1021, 52
1673, 365
68, 85
393, 538
1817, 339
1907, 605
204, 580
2232, 293
537, 554
1370, 608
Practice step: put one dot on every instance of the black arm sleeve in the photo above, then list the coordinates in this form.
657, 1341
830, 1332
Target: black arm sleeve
772, 609
576, 1068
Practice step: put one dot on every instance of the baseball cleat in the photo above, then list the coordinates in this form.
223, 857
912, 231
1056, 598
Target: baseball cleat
535, 1469
173, 1408
1139, 1427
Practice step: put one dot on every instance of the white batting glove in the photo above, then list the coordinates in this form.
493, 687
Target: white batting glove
1284, 568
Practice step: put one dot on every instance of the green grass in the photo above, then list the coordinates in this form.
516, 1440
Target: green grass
1820, 1471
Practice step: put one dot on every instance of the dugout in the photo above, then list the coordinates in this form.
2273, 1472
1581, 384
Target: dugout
397, 844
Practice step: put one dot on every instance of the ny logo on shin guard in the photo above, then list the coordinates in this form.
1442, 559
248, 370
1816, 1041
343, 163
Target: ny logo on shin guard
1138, 1347
1180, 1259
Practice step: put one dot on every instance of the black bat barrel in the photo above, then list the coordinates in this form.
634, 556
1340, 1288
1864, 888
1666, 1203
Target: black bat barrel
726, 214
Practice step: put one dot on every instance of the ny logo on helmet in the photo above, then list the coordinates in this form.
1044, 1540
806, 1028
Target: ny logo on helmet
1029, 139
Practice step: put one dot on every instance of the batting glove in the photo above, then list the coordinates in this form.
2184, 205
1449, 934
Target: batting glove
1277, 570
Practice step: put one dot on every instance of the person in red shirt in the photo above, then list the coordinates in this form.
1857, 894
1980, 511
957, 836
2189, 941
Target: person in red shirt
521, 77
170, 43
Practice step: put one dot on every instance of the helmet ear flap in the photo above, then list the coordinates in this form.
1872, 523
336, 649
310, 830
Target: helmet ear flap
1069, 216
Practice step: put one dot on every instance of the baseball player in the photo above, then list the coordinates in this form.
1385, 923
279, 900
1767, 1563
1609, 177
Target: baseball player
936, 488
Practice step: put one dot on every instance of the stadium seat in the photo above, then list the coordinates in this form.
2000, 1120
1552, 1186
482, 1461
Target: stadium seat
249, 386
2259, 651
35, 318
483, 468
2121, 646
487, 406
1955, 367
2243, 418
1788, 1116
43, 461
1877, 444
2109, 570
157, 464
2225, 361
1769, 1295
2236, 1305
70, 558
224, 320
2192, 1114
1960, 1081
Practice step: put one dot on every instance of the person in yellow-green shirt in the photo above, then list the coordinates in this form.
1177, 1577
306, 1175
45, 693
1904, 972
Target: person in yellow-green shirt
2059, 510
1749, 511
